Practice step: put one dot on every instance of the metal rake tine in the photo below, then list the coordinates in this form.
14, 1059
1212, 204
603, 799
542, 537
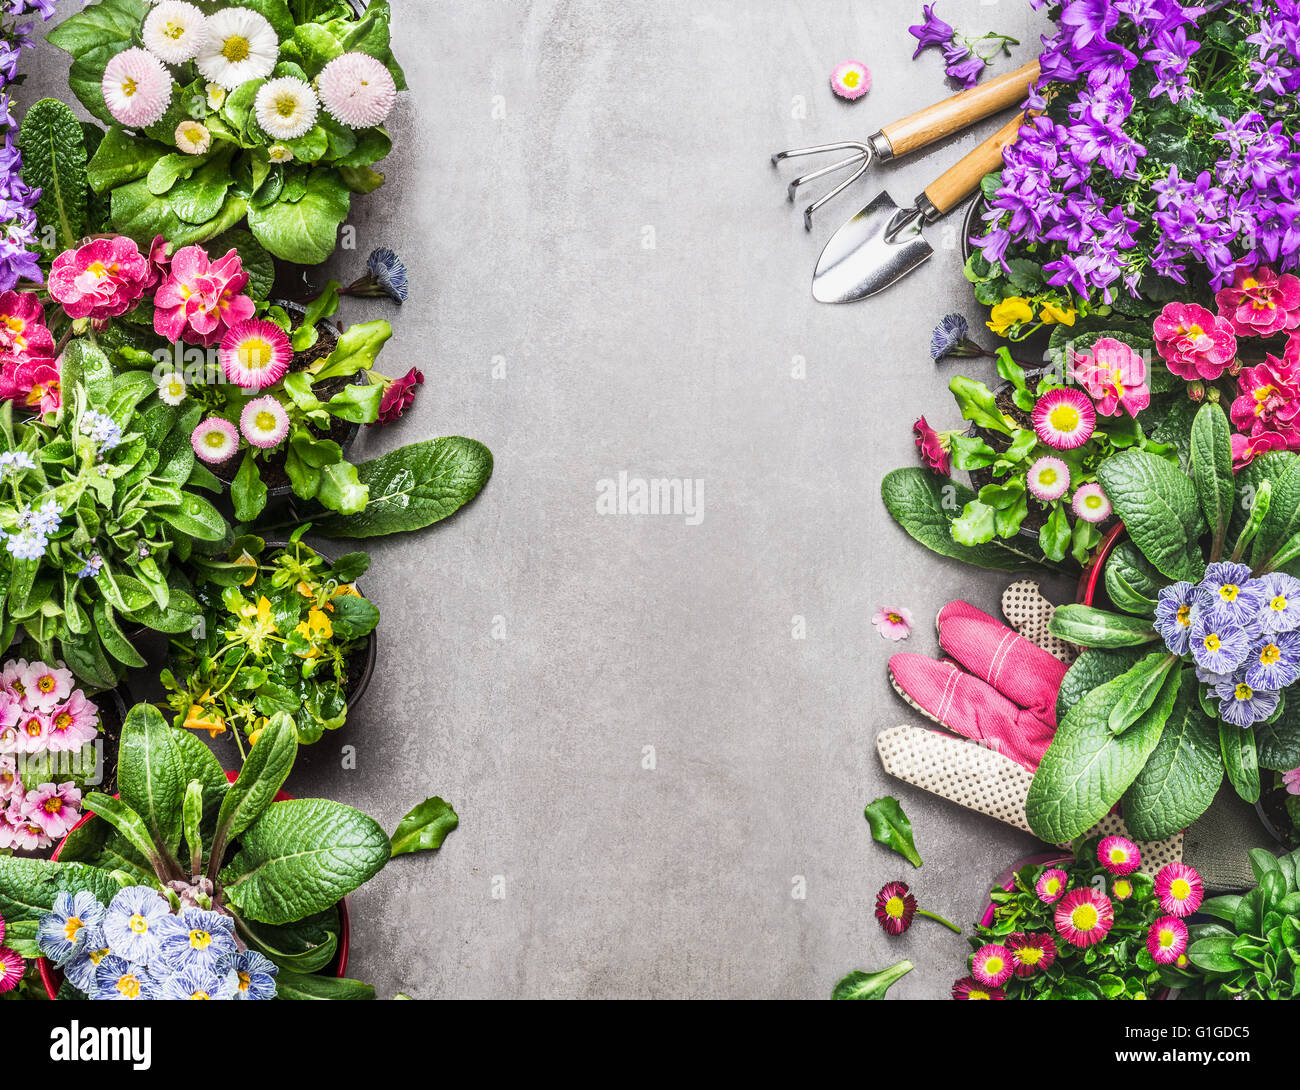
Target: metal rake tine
826, 197
840, 145
863, 156
813, 175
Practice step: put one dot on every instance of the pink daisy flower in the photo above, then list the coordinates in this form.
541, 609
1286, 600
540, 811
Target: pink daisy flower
56, 809
895, 907
1291, 780
33, 732
992, 965
73, 723
1179, 889
1031, 954
357, 90
1064, 419
1084, 917
264, 422
1049, 479
46, 686
1090, 503
1050, 886
1167, 940
851, 79
12, 968
893, 622
215, 440
1119, 855
255, 354
137, 88
1121, 889
970, 988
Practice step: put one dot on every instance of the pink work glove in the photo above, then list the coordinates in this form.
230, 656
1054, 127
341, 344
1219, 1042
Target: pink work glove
1007, 701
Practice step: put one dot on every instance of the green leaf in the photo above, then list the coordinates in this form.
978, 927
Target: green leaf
84, 364
341, 490
1091, 627
357, 350
356, 403
130, 824
1277, 744
265, 769
195, 516
1160, 510
1258, 513
1132, 583
121, 158
29, 887
978, 404
1181, 777
54, 161
1141, 685
975, 526
149, 775
304, 231
860, 985
247, 491
1054, 537
301, 857
890, 827
290, 985
925, 505
1087, 768
1240, 759
1212, 472
1214, 955
1281, 523
1093, 667
413, 487
425, 827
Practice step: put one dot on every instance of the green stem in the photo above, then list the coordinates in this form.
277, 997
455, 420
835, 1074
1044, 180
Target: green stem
939, 919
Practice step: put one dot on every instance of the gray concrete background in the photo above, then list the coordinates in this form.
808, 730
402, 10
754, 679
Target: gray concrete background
538, 144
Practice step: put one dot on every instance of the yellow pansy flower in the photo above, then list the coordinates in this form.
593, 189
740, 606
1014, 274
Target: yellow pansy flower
1008, 313
316, 629
1055, 314
197, 719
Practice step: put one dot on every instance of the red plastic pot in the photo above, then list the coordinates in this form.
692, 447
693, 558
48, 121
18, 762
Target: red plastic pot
52, 978
1093, 574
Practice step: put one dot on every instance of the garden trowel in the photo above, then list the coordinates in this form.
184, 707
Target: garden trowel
884, 242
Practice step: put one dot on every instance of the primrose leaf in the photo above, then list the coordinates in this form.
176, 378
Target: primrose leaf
425, 827
861, 985
890, 827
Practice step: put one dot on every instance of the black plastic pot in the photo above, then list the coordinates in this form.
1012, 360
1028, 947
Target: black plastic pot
1288, 842
969, 225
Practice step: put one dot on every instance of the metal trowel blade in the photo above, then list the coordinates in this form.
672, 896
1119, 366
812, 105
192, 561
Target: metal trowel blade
878, 246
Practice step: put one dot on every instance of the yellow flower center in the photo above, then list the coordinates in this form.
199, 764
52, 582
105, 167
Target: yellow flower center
1030, 955
129, 986
1047, 476
1270, 654
215, 439
286, 105
129, 87
978, 993
256, 354
1212, 642
244, 981
63, 721
175, 31
1228, 592
1278, 604
46, 683
138, 924
265, 421
1166, 938
1053, 885
235, 49
1243, 692
34, 728
200, 940
894, 907
851, 79
1118, 855
1064, 418
1180, 889
72, 928
53, 804
200, 995
1085, 917
1184, 615
994, 965
1123, 889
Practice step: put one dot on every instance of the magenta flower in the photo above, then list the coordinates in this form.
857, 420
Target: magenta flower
12, 968
102, 279
1119, 855
1261, 303
255, 354
1031, 954
1064, 418
199, 299
399, 394
1193, 342
32, 382
1049, 479
991, 965
933, 31
1167, 940
1179, 889
968, 988
73, 723
23, 331
1090, 503
1114, 375
1084, 917
55, 809
934, 452
33, 729
1266, 412
1050, 886
851, 80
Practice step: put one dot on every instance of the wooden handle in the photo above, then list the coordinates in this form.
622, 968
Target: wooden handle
958, 183
954, 114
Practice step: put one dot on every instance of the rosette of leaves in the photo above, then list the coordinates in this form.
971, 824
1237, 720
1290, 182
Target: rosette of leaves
279, 868
1135, 724
129, 516
1251, 947
293, 209
283, 631
1118, 967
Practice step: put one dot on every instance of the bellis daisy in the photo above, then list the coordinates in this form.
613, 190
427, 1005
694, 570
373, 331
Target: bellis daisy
12, 968
357, 90
215, 95
1064, 419
1090, 503
970, 988
1167, 940
278, 153
215, 440
264, 422
851, 80
192, 137
172, 388
286, 108
174, 31
137, 88
1050, 886
1031, 954
241, 45
255, 354
1049, 479
1084, 917
992, 965
1121, 889
1119, 855
1179, 889
895, 907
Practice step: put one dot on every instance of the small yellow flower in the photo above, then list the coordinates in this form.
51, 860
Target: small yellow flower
197, 719
244, 560
316, 629
304, 588
1008, 313
344, 590
256, 732
1054, 314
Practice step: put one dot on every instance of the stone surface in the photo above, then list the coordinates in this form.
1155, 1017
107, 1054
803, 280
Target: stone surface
531, 648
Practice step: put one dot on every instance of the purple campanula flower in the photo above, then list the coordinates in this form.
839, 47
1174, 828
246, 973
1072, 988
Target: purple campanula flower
932, 31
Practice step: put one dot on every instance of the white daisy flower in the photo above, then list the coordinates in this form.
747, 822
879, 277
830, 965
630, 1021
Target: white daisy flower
171, 388
241, 45
193, 138
286, 108
174, 31
216, 95
278, 153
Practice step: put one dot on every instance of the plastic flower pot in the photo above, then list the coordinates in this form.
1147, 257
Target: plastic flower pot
1091, 583
52, 978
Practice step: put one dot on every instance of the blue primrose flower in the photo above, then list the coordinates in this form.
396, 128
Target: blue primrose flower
116, 979
254, 976
1281, 609
1242, 705
1229, 591
134, 922
1175, 612
62, 932
197, 982
1217, 644
81, 967
1274, 662
195, 938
